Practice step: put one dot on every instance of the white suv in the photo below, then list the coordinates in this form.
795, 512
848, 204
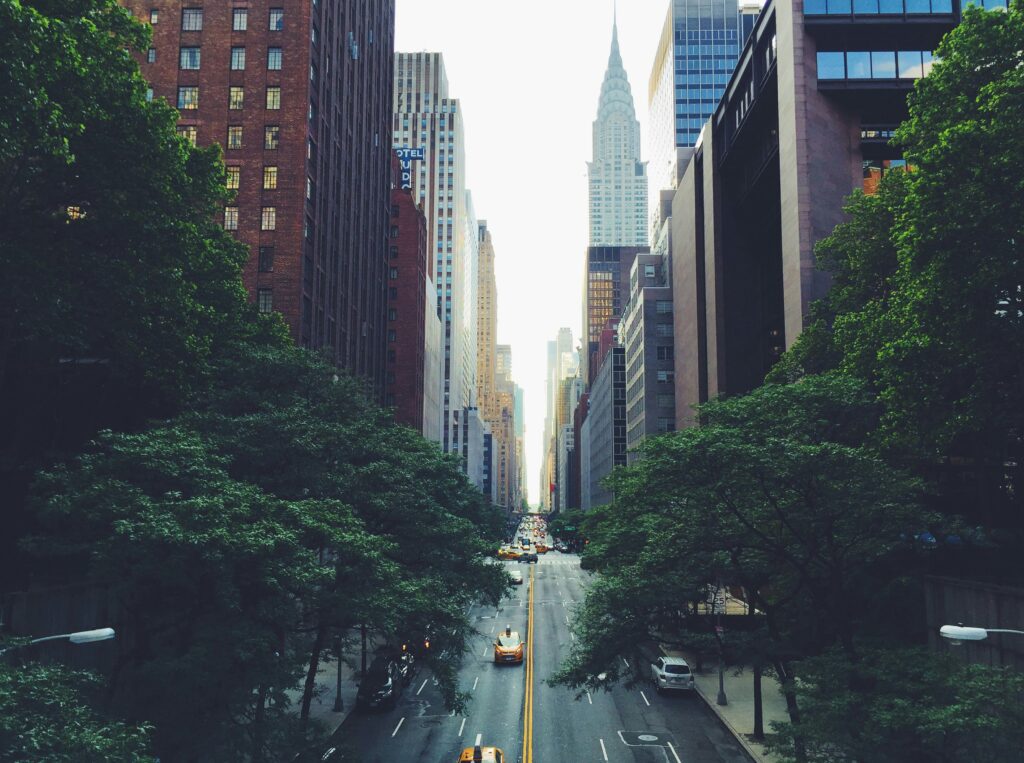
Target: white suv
672, 673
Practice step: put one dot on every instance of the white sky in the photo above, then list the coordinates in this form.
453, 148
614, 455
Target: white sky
528, 74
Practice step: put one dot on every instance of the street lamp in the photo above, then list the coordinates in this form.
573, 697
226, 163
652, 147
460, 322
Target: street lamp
78, 637
958, 634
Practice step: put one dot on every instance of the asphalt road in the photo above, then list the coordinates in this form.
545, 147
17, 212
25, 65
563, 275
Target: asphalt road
620, 726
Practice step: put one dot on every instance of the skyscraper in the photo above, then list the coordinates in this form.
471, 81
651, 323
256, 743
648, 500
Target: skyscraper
699, 46
427, 118
299, 96
617, 176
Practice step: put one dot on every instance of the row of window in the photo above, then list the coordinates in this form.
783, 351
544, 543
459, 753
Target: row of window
234, 177
190, 58
268, 218
891, 7
271, 136
192, 19
875, 64
188, 97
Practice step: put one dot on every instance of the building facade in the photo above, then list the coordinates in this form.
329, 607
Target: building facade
427, 118
306, 146
607, 420
407, 309
815, 79
605, 290
617, 177
647, 338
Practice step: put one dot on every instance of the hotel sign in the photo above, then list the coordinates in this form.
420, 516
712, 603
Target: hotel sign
405, 159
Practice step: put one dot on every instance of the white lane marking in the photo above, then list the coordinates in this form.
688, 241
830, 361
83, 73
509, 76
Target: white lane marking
421, 687
398, 726
462, 726
603, 750
493, 628
475, 681
673, 751
624, 662
485, 652
591, 701
478, 738
567, 619
572, 636
645, 699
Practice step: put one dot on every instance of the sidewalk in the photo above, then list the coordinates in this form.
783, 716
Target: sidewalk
321, 709
738, 714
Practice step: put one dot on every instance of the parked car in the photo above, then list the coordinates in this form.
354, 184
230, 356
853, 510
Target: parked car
672, 673
382, 684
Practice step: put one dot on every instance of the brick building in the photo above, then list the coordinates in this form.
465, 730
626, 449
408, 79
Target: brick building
407, 308
299, 96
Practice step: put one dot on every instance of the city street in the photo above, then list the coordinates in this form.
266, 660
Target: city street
621, 725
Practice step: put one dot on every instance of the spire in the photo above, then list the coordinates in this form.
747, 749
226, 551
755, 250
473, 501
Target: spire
615, 58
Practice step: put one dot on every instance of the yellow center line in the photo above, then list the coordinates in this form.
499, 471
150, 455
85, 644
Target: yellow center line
528, 658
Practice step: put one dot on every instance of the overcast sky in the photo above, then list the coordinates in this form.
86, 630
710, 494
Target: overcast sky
528, 74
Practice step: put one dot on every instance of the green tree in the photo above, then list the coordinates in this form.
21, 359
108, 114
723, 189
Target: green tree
121, 284
45, 717
777, 493
905, 705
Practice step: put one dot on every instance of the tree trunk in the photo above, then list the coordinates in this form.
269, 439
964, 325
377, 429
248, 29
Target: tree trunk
362, 638
758, 704
314, 665
799, 750
257, 725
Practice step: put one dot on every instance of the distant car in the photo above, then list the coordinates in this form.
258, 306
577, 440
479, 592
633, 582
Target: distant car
672, 673
508, 553
508, 647
529, 558
382, 684
541, 548
517, 577
480, 754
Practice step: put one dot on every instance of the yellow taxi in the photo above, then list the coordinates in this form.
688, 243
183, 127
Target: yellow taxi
480, 754
541, 548
508, 553
508, 647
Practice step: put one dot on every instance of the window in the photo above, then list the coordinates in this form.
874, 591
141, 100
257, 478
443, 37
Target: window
274, 97
274, 59
151, 56
665, 353
266, 263
188, 98
149, 94
192, 20
188, 58
239, 19
392, 314
235, 136
189, 133
910, 64
393, 273
309, 189
663, 307
858, 65
831, 66
268, 218
269, 178
154, 16
393, 252
883, 64
276, 19
392, 336
230, 218
666, 376
265, 300
236, 97
233, 176
271, 137
237, 59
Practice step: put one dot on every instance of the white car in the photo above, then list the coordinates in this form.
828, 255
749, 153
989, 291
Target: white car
672, 673
517, 577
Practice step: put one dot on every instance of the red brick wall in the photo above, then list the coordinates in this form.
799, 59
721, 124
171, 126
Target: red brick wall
330, 286
407, 298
